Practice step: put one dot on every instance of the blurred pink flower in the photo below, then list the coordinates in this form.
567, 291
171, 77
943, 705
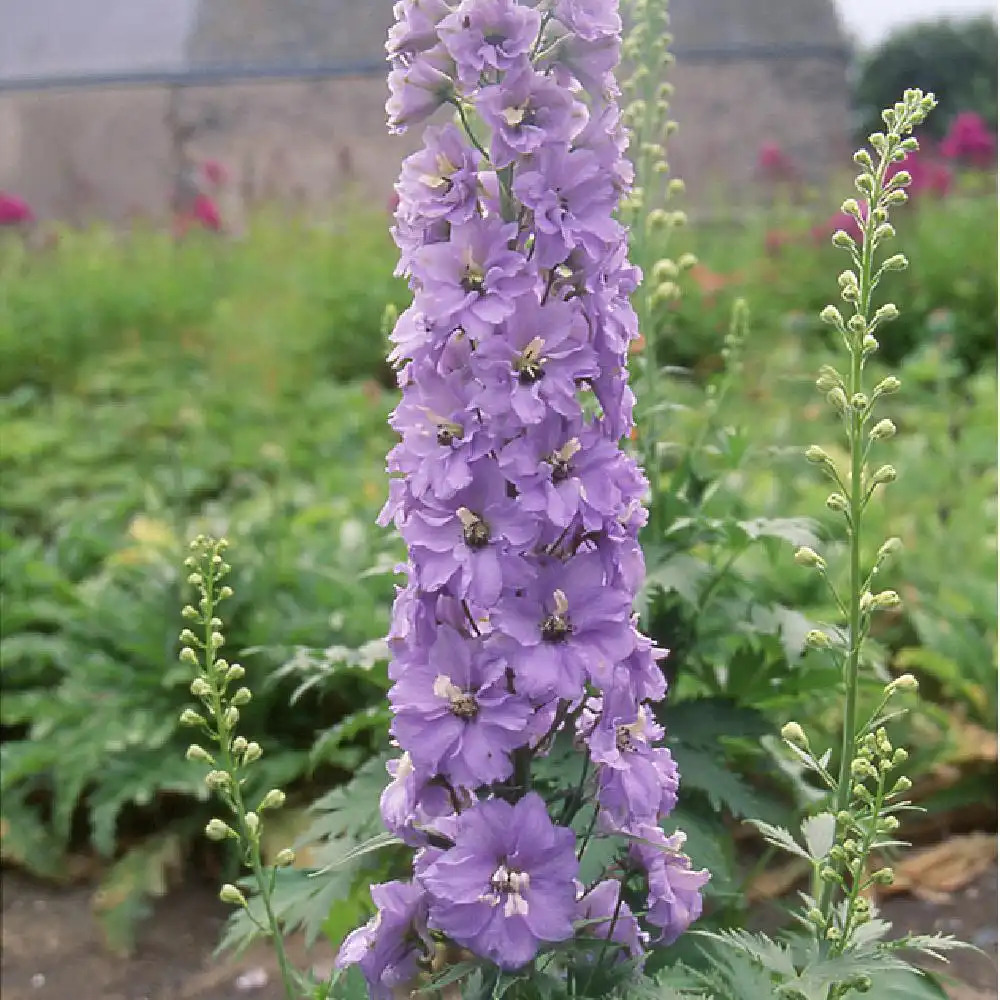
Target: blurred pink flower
203, 212
214, 172
775, 240
930, 175
773, 163
14, 211
970, 141
841, 220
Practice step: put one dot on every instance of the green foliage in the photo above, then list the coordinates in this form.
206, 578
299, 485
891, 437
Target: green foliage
956, 59
157, 410
293, 300
780, 261
103, 480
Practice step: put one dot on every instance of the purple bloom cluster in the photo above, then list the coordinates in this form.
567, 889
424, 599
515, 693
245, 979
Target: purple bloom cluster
519, 509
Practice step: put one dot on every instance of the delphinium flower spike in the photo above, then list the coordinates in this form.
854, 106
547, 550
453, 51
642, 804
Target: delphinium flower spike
519, 509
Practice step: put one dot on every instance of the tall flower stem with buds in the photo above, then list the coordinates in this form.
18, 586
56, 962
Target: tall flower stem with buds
645, 208
880, 191
231, 754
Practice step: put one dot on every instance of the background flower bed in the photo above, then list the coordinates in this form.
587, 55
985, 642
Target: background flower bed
154, 388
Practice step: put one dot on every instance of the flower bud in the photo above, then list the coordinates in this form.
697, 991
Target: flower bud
253, 752
284, 858
888, 549
884, 600
884, 474
887, 386
842, 241
217, 640
905, 682
218, 830
188, 655
859, 401
200, 688
903, 784
883, 430
686, 261
886, 313
189, 612
274, 799
242, 697
899, 757
897, 262
239, 745
187, 636
195, 579
792, 732
829, 378
806, 556
837, 502
217, 780
837, 398
197, 753
816, 455
189, 717
869, 345
883, 876
225, 592
231, 716
235, 673
230, 894
832, 317
252, 821
818, 639
664, 269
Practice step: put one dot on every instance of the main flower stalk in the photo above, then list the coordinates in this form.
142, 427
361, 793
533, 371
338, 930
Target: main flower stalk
519, 509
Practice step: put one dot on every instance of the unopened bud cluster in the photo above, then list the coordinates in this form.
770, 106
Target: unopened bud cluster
202, 641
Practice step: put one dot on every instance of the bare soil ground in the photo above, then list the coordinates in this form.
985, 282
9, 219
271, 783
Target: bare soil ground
52, 947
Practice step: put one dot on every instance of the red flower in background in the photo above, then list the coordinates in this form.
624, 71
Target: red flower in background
203, 213
774, 164
214, 172
929, 175
14, 211
970, 141
842, 220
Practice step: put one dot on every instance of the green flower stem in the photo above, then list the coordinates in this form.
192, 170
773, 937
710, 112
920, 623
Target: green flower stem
858, 882
250, 840
857, 419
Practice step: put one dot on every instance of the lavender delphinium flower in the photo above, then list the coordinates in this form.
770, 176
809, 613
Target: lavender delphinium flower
519, 508
507, 884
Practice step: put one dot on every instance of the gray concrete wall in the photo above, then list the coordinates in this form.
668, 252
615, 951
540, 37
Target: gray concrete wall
116, 153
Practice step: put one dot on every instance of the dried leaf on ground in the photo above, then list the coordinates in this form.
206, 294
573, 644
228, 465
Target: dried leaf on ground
934, 873
775, 882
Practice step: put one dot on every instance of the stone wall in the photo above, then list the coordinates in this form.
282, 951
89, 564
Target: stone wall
117, 153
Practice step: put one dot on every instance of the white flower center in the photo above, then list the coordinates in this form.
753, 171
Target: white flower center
507, 888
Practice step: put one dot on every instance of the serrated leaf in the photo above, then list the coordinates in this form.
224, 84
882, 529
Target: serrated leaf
680, 574
377, 843
901, 984
710, 776
797, 531
779, 837
703, 722
819, 832
329, 746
